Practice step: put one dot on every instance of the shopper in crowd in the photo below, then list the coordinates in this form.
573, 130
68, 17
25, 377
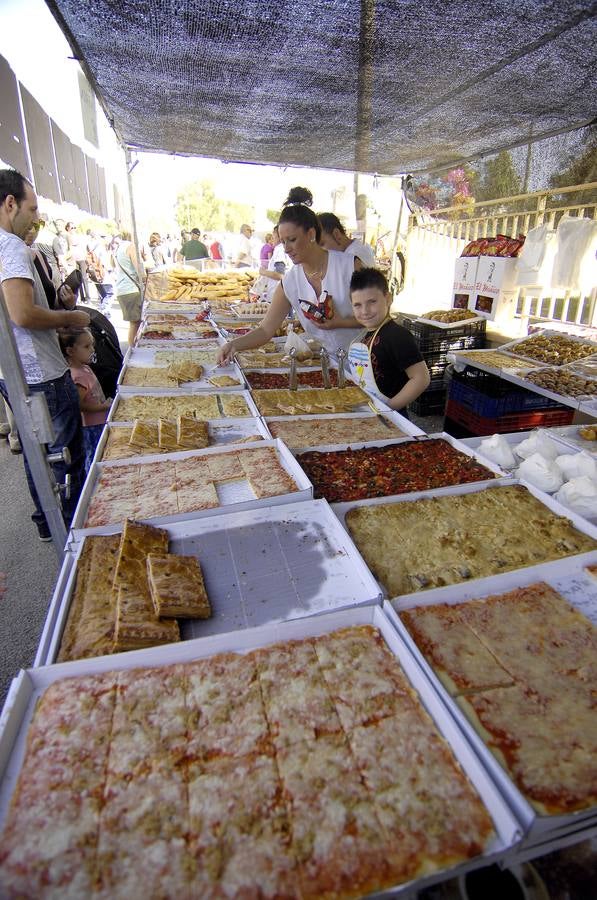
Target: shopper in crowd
78, 250
279, 263
128, 286
384, 358
108, 355
78, 347
316, 288
244, 258
60, 249
154, 253
8, 427
194, 248
265, 254
216, 250
34, 327
334, 237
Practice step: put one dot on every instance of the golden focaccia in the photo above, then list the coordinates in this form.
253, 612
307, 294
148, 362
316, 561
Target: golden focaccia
192, 433
168, 434
177, 587
137, 542
223, 381
144, 434
137, 625
185, 370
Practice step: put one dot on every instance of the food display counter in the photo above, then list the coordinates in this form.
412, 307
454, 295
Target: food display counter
326, 741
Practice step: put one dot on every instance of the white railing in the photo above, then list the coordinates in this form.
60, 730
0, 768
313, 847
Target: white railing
436, 238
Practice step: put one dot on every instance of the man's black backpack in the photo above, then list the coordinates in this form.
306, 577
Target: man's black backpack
109, 357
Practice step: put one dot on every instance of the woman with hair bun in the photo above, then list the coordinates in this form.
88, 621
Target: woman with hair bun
317, 287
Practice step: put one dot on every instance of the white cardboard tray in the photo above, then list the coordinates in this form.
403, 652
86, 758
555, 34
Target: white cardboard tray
30, 684
580, 589
234, 495
260, 566
168, 392
221, 432
188, 387
517, 437
568, 434
492, 582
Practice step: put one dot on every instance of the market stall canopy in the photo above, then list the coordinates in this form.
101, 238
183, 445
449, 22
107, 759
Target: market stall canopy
388, 87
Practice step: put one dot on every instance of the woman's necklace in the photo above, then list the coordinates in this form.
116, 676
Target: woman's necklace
318, 273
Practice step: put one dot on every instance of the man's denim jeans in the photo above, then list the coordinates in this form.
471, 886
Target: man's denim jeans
63, 403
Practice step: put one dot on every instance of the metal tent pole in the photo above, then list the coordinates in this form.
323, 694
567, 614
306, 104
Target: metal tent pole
35, 429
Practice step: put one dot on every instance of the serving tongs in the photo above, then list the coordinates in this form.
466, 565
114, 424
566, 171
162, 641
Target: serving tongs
325, 367
292, 374
341, 373
381, 418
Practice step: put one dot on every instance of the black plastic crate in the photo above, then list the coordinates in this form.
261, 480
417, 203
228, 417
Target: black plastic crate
459, 337
429, 403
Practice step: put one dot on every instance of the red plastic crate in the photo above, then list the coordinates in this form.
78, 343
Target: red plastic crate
520, 421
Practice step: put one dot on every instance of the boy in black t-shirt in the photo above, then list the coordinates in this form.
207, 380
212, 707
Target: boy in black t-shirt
397, 371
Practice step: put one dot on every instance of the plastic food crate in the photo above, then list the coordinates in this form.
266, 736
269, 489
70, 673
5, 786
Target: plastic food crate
430, 339
503, 424
514, 401
429, 403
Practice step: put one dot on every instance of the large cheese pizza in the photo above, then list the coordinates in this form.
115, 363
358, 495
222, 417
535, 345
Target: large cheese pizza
523, 667
303, 770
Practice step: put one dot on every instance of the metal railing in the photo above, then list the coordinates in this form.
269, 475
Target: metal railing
437, 237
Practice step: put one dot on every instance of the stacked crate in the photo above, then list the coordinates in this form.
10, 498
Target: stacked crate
480, 403
435, 343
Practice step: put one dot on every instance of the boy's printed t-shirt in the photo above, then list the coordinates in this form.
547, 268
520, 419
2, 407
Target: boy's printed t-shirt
39, 350
85, 377
393, 350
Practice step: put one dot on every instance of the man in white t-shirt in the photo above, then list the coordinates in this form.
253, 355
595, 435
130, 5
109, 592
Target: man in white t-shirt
34, 327
334, 237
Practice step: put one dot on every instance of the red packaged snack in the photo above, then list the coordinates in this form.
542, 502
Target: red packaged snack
318, 312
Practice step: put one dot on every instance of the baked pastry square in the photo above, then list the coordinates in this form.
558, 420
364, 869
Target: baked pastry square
144, 435
168, 434
177, 587
185, 370
192, 433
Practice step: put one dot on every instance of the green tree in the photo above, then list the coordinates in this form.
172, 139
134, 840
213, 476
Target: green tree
197, 206
499, 178
273, 215
580, 169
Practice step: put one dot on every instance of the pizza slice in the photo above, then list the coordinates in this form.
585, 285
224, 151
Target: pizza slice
192, 433
460, 659
177, 587
144, 435
225, 467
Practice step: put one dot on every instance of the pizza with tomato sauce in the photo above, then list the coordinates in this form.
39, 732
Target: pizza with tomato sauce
343, 475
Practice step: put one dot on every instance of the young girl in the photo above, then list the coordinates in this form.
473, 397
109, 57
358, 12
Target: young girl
78, 348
